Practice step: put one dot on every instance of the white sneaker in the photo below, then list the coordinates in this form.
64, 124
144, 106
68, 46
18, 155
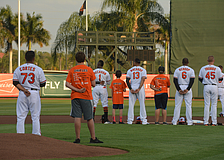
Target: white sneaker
129, 122
145, 123
108, 122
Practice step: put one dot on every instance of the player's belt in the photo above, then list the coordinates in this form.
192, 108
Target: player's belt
209, 84
98, 83
34, 89
220, 87
183, 84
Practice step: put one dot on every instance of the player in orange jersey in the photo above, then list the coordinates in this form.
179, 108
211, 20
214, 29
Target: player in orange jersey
118, 87
160, 84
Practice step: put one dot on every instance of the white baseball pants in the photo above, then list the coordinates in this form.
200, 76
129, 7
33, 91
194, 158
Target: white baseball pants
178, 102
132, 99
23, 106
210, 93
100, 92
221, 97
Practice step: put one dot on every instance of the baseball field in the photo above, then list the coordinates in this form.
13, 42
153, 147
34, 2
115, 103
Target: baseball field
141, 141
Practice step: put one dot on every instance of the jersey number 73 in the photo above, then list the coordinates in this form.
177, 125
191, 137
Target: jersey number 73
31, 75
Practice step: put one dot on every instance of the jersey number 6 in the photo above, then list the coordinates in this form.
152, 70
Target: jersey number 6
31, 75
184, 75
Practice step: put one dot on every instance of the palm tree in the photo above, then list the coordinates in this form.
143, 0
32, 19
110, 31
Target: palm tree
65, 39
7, 31
163, 34
32, 31
112, 21
138, 14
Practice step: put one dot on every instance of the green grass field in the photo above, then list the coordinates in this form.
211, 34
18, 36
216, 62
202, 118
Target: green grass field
142, 141
63, 107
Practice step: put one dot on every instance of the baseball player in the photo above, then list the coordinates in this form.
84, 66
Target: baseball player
159, 84
28, 78
100, 90
183, 79
137, 75
221, 92
210, 76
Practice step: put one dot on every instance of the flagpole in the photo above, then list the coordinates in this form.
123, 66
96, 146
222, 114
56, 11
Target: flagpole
86, 16
18, 32
86, 30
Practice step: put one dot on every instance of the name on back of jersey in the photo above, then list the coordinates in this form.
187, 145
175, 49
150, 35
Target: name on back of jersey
161, 78
96, 72
184, 69
80, 70
136, 69
210, 68
27, 68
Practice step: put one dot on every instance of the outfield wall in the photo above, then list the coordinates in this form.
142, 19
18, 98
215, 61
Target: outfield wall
196, 32
55, 86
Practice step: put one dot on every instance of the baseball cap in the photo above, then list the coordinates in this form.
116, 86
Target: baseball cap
182, 119
161, 68
138, 118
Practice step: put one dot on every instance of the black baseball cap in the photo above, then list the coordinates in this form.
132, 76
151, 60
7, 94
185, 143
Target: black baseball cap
137, 60
161, 68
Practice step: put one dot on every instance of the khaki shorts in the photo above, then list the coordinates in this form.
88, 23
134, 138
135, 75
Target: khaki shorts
82, 106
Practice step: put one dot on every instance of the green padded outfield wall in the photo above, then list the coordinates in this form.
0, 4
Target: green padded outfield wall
55, 86
197, 31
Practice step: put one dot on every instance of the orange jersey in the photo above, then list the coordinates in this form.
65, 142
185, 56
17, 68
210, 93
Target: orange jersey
81, 76
117, 87
160, 81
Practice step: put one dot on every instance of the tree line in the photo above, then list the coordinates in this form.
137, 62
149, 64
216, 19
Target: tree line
126, 16
32, 31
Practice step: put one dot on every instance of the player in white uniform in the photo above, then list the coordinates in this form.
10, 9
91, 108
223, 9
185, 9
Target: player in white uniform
137, 75
221, 92
100, 90
183, 79
210, 76
28, 78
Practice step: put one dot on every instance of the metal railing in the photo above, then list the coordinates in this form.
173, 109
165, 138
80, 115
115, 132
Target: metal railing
115, 38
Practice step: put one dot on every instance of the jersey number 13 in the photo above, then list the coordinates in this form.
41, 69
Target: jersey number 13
135, 75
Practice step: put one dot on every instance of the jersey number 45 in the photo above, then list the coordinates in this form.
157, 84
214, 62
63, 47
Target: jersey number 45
210, 75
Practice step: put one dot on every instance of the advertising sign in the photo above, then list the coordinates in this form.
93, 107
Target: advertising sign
148, 91
55, 86
7, 89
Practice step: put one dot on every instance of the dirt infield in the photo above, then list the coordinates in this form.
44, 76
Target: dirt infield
28, 146
68, 119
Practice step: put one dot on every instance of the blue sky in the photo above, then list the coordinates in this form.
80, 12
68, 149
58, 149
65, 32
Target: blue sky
54, 12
